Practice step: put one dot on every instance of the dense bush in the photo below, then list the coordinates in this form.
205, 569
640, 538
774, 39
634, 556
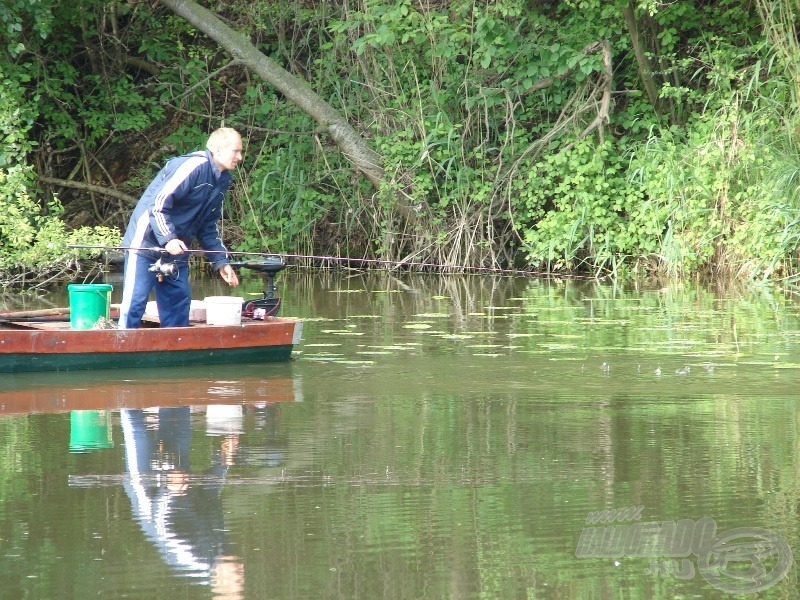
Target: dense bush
33, 239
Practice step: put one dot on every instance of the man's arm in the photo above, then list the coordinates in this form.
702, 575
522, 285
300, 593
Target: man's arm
217, 253
177, 182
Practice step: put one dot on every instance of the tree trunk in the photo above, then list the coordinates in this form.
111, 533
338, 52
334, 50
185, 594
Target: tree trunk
349, 141
642, 62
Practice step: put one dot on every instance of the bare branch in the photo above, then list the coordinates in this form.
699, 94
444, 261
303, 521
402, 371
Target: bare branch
89, 187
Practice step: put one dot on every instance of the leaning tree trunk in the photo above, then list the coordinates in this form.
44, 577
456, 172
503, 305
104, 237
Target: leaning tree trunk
642, 61
349, 141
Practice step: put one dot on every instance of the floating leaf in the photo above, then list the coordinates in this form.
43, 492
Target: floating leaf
593, 321
320, 345
560, 346
405, 347
322, 357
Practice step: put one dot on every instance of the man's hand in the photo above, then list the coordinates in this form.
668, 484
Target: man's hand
229, 275
175, 247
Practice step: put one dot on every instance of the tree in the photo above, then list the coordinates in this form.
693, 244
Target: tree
349, 141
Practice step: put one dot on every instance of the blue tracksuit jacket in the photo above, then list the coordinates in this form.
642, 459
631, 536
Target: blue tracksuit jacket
183, 201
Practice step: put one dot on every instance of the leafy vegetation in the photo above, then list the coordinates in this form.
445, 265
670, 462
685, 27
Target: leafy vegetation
582, 135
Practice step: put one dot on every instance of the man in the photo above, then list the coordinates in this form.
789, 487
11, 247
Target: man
182, 203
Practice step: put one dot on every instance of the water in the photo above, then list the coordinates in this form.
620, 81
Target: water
433, 438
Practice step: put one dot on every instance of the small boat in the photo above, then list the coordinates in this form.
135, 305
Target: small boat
45, 341
50, 345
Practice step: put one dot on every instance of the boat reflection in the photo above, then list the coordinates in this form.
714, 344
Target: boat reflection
180, 438
107, 391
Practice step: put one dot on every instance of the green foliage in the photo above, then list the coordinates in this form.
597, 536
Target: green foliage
282, 204
34, 244
287, 190
16, 226
33, 239
576, 207
683, 190
454, 111
92, 108
724, 186
485, 115
21, 17
16, 120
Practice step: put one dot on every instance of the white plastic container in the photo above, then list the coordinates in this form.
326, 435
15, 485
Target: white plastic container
197, 311
223, 310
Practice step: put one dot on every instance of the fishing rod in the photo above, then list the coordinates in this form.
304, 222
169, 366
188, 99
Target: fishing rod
164, 250
346, 259
420, 265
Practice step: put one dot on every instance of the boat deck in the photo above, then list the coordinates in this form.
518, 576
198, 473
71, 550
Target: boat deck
44, 325
57, 319
64, 324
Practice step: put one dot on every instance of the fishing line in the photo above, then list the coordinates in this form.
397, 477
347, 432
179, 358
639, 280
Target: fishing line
345, 259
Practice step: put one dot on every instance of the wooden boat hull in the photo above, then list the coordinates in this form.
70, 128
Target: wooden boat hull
55, 347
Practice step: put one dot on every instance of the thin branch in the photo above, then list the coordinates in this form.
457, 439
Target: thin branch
88, 187
592, 48
205, 80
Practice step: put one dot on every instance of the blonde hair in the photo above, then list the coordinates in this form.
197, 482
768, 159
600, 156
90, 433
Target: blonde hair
221, 138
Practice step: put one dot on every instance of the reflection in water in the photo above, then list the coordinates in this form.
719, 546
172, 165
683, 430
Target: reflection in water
90, 430
183, 516
462, 457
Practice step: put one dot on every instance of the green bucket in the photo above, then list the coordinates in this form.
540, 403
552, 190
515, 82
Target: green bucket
88, 302
89, 430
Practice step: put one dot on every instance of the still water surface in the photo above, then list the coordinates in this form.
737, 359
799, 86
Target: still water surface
434, 437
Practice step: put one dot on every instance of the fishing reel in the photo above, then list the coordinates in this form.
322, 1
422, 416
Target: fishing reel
163, 269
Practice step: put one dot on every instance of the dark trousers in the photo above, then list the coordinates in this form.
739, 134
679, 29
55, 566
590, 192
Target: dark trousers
173, 293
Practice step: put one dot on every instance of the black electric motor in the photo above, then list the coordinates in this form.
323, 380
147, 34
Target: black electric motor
270, 304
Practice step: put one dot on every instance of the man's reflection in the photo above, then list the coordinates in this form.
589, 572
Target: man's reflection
181, 515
